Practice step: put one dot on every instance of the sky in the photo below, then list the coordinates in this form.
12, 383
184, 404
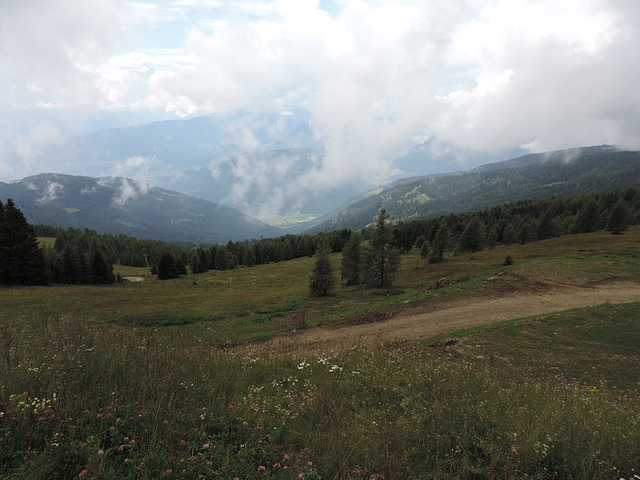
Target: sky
378, 75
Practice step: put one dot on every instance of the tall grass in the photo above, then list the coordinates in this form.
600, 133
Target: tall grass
142, 381
95, 401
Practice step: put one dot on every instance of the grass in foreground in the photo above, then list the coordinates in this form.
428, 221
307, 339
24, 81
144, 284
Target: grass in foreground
81, 400
102, 382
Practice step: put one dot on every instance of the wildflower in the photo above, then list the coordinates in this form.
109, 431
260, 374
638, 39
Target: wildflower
206, 445
310, 462
41, 419
83, 473
276, 465
101, 452
262, 468
514, 451
301, 475
286, 457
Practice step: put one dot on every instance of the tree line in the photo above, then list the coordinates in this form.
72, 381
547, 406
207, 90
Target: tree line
521, 223
374, 264
86, 257
69, 260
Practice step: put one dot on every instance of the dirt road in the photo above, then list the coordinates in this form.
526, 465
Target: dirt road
449, 318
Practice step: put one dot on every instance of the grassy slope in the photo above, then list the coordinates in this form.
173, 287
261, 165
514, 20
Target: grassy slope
254, 302
82, 388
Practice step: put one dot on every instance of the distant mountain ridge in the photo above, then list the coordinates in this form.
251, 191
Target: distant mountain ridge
262, 163
530, 177
119, 205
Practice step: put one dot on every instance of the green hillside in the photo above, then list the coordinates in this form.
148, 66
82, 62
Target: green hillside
123, 206
532, 177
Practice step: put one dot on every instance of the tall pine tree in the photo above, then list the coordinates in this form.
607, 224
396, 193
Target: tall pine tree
352, 264
384, 257
440, 243
619, 218
322, 279
21, 259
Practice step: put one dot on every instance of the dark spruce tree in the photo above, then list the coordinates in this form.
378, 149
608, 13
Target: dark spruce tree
440, 242
588, 218
352, 264
473, 236
384, 257
21, 259
322, 279
101, 271
619, 218
167, 267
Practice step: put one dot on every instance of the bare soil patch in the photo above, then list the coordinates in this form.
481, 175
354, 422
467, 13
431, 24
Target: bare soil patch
510, 300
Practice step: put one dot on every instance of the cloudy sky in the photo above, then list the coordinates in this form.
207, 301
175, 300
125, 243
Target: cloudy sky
378, 74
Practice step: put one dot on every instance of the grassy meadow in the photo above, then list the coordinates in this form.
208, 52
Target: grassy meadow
170, 379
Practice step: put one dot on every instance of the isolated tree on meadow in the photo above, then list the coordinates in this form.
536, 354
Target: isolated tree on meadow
352, 264
384, 257
322, 279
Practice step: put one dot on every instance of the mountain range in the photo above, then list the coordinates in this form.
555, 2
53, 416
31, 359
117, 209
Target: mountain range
119, 205
265, 164
529, 177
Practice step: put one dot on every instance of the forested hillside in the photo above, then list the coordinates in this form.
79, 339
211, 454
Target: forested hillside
533, 177
119, 205
521, 222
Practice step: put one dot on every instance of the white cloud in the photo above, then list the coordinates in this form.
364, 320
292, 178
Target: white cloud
126, 191
138, 169
485, 74
50, 192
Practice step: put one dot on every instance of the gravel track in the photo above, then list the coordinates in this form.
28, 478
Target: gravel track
448, 318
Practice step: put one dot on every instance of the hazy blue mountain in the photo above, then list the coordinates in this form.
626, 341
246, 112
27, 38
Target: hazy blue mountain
186, 143
531, 177
120, 205
260, 163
